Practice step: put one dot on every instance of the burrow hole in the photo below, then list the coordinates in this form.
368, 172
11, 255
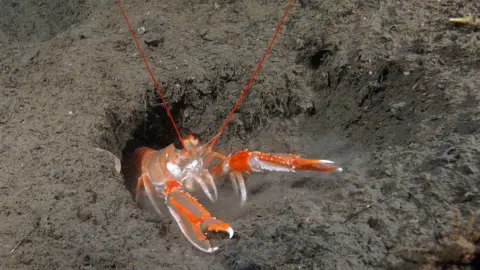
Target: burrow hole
320, 56
155, 131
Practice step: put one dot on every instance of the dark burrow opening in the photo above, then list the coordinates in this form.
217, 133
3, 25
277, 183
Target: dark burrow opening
154, 131
320, 56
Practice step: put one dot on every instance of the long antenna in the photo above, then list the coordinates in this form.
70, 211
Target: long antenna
150, 72
214, 140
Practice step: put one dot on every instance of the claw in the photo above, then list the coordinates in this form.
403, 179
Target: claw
246, 161
194, 220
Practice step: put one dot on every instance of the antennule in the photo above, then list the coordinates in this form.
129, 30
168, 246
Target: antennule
214, 140
150, 72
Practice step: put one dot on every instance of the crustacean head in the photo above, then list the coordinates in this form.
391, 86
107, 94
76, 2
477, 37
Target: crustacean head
190, 142
190, 168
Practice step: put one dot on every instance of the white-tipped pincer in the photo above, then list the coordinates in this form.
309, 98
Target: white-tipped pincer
230, 232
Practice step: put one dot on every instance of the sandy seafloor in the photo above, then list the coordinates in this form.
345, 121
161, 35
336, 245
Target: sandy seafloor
387, 89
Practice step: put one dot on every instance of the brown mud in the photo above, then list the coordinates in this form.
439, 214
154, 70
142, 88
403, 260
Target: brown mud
388, 89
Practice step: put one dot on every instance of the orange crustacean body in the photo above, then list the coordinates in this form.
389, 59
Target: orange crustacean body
172, 173
169, 175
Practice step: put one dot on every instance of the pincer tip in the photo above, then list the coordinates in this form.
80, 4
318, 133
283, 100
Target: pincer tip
230, 232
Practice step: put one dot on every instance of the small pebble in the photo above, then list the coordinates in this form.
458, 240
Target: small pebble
141, 30
56, 173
